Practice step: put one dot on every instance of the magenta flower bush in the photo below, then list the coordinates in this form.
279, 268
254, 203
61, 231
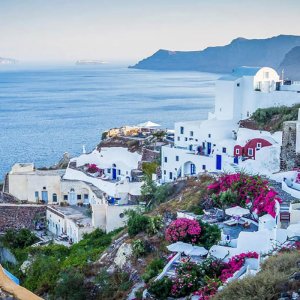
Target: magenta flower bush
235, 263
92, 168
184, 230
250, 191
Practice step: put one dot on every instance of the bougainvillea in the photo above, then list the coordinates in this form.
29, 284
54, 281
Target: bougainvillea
209, 290
92, 168
184, 230
235, 263
252, 192
186, 280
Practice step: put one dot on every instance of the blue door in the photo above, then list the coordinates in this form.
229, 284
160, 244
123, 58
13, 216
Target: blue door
193, 169
219, 162
45, 196
208, 148
114, 173
236, 160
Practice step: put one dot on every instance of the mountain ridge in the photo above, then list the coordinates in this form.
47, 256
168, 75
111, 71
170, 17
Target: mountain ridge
222, 59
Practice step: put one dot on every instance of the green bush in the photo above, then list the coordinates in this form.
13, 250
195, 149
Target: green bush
161, 289
70, 286
153, 269
210, 234
136, 223
112, 286
21, 239
140, 248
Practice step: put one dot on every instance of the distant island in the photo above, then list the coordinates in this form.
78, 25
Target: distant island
90, 62
222, 59
7, 61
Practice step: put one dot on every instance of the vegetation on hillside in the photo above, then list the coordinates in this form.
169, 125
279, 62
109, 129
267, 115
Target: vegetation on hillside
272, 118
269, 283
55, 267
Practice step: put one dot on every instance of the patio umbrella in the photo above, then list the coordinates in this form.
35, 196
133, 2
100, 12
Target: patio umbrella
148, 124
236, 211
180, 247
293, 230
197, 251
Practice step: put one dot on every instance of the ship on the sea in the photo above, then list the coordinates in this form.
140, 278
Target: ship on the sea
90, 62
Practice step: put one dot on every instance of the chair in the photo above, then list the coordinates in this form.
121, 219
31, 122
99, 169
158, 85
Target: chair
231, 222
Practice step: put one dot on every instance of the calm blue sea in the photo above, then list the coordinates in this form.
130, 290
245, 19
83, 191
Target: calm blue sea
46, 111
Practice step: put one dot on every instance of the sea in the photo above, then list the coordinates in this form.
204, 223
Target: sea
46, 111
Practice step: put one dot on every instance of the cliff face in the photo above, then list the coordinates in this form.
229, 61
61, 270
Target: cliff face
291, 64
222, 59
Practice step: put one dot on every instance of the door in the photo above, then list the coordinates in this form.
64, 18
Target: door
219, 162
208, 148
72, 197
193, 169
45, 196
114, 173
236, 160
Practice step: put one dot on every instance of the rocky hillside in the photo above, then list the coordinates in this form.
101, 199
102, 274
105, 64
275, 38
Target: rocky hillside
291, 64
222, 59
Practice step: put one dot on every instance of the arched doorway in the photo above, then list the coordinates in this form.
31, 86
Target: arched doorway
189, 168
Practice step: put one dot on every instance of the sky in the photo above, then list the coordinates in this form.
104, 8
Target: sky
129, 30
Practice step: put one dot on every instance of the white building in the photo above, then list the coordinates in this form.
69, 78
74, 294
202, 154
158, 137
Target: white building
114, 178
241, 93
209, 145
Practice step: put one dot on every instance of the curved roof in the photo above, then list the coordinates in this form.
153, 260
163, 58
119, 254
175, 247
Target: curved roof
240, 72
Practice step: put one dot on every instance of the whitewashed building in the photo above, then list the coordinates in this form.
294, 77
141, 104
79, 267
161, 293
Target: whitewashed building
209, 146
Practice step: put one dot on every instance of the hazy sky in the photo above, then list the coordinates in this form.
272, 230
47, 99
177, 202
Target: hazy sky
133, 29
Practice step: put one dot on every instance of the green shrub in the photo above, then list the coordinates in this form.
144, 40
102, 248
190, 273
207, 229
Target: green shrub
153, 269
140, 248
155, 223
136, 223
161, 289
70, 286
21, 239
210, 234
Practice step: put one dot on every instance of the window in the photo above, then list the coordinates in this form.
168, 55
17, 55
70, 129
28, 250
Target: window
196, 140
170, 175
224, 150
108, 171
177, 158
181, 130
203, 167
54, 197
44, 188
186, 139
121, 215
238, 84
258, 146
86, 196
248, 114
250, 152
191, 133
166, 159
237, 151
65, 197
165, 172
119, 172
36, 195
209, 135
178, 138
78, 197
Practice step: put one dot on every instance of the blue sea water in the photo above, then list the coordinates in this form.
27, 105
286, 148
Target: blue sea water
46, 111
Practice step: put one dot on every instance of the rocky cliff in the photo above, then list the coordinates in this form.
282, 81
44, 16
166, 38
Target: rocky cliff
222, 59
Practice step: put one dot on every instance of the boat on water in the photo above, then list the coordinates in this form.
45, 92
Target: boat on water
90, 62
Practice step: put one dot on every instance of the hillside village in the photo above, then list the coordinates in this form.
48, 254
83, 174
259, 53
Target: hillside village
157, 214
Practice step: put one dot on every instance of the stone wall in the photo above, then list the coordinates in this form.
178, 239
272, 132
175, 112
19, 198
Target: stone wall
20, 216
289, 158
